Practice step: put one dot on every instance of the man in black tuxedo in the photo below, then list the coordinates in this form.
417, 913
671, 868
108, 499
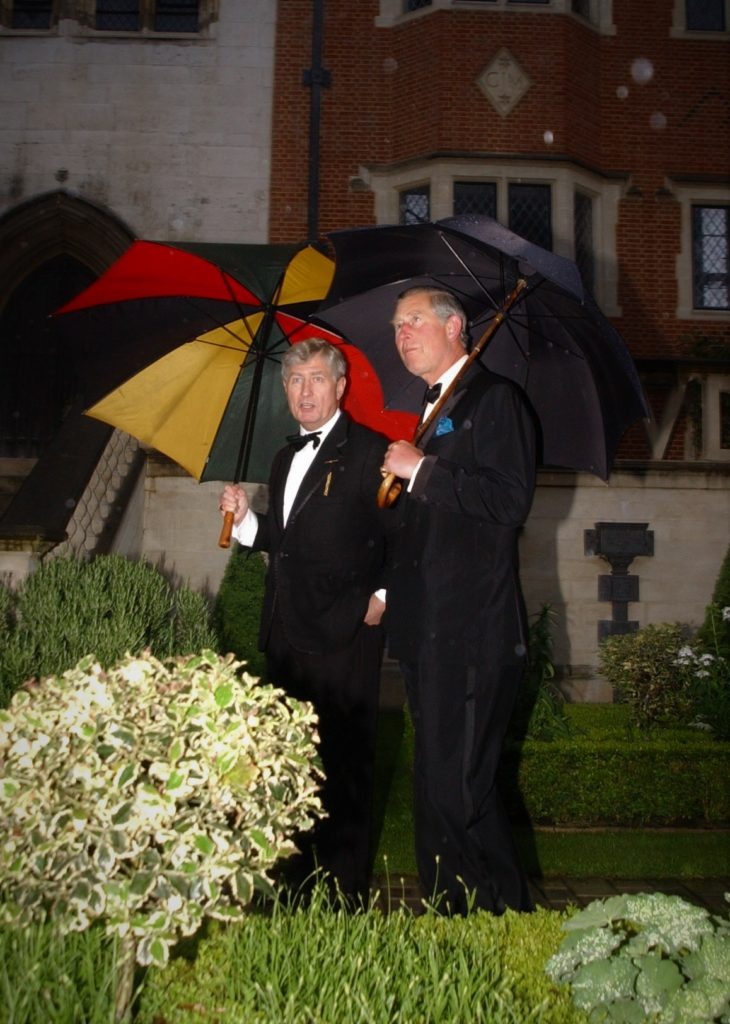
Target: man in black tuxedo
320, 621
455, 617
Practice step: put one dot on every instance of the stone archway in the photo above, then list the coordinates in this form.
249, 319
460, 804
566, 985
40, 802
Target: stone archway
50, 249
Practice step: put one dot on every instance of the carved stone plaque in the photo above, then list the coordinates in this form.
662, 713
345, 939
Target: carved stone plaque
504, 82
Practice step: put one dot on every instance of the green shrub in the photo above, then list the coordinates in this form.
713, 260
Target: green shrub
109, 605
647, 957
237, 609
643, 669
149, 795
714, 633
669, 777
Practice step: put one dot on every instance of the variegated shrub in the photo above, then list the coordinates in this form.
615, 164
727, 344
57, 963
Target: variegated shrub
150, 795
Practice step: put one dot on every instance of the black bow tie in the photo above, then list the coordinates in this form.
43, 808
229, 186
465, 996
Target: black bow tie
297, 441
432, 393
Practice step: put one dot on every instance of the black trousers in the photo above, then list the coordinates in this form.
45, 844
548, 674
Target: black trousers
464, 846
343, 686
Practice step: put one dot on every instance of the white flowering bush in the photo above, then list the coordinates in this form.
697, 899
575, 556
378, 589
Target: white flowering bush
150, 795
708, 672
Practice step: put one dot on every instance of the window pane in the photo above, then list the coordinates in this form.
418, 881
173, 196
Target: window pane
710, 277
415, 5
582, 8
475, 197
415, 205
529, 213
118, 15
705, 15
583, 238
31, 14
176, 16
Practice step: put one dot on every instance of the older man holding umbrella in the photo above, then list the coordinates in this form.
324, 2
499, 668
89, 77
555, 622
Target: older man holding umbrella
455, 617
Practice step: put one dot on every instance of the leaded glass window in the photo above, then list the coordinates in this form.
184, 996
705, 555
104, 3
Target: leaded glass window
583, 238
118, 15
529, 213
152, 15
31, 14
710, 278
415, 205
176, 16
476, 197
705, 15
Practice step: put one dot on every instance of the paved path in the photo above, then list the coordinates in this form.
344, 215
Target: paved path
558, 893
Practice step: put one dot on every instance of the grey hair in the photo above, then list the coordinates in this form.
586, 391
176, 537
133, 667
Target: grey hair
302, 351
444, 304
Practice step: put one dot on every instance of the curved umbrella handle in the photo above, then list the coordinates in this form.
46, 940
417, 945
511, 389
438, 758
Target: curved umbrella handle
389, 491
224, 541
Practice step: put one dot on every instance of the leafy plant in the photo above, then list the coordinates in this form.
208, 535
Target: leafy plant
642, 667
237, 609
539, 712
646, 957
109, 605
151, 796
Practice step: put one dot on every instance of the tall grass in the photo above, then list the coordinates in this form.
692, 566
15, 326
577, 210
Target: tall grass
47, 978
317, 964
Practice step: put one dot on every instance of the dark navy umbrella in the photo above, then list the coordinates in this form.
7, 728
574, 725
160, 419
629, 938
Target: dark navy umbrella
553, 341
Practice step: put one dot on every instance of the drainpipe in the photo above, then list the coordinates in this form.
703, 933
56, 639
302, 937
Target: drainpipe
316, 78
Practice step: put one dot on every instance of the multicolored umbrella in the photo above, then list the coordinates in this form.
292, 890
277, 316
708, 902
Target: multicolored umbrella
180, 346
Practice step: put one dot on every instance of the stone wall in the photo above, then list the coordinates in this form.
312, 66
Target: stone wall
171, 134
686, 510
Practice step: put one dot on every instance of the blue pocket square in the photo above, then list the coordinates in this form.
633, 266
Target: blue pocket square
444, 426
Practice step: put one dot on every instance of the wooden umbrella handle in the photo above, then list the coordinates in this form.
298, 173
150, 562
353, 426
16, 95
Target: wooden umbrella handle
389, 491
224, 541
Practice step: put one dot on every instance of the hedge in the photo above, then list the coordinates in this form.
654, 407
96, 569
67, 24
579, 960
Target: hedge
608, 775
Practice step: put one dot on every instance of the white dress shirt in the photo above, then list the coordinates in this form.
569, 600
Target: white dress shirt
245, 532
444, 380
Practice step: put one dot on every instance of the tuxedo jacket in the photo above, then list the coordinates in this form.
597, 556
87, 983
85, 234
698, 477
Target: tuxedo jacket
328, 560
453, 588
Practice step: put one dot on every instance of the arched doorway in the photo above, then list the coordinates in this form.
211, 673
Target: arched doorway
53, 247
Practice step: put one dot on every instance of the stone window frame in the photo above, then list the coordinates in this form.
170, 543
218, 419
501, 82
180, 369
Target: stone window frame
679, 28
690, 194
440, 175
601, 11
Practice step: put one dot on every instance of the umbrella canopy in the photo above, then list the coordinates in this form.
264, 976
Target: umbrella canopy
553, 341
181, 345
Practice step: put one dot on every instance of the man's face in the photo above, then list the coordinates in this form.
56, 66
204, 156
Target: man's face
427, 346
313, 392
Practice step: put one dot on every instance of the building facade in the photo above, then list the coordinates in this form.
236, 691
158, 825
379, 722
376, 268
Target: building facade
599, 129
